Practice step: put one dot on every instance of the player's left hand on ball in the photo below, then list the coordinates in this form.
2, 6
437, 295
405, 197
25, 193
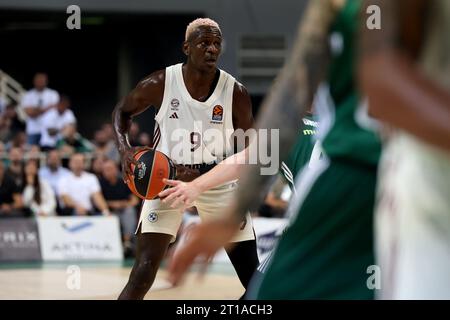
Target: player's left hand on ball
204, 240
181, 193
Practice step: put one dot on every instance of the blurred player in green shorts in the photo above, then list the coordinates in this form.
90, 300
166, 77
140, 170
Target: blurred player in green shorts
305, 154
329, 244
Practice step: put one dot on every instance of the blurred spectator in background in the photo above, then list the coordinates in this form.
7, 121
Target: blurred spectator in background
3, 104
38, 195
35, 103
34, 153
133, 134
4, 129
80, 190
72, 142
3, 154
53, 172
120, 201
144, 139
97, 165
109, 131
15, 166
11, 124
106, 146
54, 121
19, 140
10, 196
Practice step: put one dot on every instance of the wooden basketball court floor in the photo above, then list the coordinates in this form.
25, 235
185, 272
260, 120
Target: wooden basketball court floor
104, 281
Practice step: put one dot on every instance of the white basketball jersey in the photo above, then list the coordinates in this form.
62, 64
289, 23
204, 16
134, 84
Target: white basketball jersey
190, 131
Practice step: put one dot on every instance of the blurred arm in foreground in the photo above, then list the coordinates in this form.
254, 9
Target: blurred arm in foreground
391, 78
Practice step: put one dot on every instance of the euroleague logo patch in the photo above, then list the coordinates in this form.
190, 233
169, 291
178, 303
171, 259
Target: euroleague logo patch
152, 217
217, 113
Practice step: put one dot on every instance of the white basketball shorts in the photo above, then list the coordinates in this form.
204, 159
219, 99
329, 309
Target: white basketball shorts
157, 217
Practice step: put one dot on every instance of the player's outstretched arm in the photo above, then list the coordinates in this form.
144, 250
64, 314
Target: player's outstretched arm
204, 240
149, 92
399, 93
185, 194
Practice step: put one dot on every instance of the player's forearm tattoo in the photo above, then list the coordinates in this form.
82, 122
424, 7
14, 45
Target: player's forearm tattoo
290, 96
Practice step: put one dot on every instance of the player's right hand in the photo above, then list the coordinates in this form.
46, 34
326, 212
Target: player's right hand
181, 193
128, 159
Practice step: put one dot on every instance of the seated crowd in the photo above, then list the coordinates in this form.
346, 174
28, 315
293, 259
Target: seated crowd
47, 168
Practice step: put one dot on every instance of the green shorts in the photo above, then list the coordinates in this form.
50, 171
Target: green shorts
326, 250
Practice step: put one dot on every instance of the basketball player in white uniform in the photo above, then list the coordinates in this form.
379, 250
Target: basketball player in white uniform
413, 212
194, 101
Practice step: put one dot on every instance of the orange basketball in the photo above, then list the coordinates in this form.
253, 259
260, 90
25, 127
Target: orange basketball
153, 167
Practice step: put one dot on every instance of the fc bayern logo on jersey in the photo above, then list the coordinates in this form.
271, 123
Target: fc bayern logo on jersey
217, 114
152, 217
175, 103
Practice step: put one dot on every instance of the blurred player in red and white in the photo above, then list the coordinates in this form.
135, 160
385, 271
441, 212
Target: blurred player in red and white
405, 71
